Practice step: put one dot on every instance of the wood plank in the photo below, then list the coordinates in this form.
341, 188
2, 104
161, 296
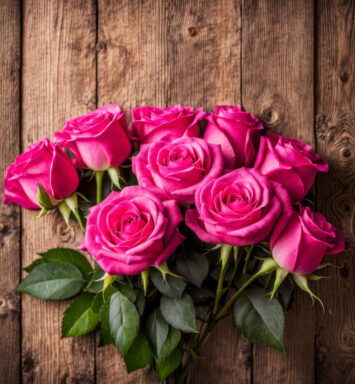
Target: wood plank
131, 72
277, 85
10, 225
335, 132
58, 82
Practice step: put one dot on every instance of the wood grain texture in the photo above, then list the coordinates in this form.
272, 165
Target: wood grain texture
131, 72
58, 82
10, 246
335, 132
277, 85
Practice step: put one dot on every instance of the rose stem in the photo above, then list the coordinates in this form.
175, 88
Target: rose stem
99, 175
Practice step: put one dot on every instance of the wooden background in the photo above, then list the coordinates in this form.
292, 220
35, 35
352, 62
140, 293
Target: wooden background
291, 63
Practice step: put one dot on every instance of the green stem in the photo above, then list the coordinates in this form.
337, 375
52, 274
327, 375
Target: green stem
247, 257
99, 175
220, 290
230, 302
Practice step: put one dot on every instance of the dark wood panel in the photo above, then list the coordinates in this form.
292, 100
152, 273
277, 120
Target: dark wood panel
10, 61
335, 132
58, 82
277, 85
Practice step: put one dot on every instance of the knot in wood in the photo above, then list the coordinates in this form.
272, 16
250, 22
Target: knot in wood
192, 31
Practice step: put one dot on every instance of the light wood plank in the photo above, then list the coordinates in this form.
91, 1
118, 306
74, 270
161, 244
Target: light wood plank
58, 83
335, 132
277, 85
10, 238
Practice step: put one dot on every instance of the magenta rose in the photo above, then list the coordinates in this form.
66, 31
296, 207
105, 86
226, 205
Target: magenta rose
237, 132
131, 230
290, 162
43, 163
99, 140
239, 208
174, 170
151, 124
301, 244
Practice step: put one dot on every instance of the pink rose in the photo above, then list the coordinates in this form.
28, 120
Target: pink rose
290, 162
237, 132
239, 208
46, 163
151, 124
301, 244
99, 140
175, 169
131, 230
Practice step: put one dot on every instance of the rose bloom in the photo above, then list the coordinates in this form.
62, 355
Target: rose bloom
239, 208
131, 230
43, 163
151, 124
176, 169
300, 246
99, 140
290, 162
237, 132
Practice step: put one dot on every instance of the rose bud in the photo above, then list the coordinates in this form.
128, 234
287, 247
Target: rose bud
301, 244
43, 163
290, 162
174, 170
237, 132
132, 230
99, 140
239, 208
151, 124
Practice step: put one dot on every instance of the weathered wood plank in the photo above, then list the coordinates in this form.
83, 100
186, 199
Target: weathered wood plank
131, 72
335, 133
277, 85
10, 246
58, 82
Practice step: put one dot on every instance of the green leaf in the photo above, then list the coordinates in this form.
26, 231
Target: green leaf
140, 303
127, 291
106, 336
124, 322
202, 311
157, 330
172, 286
166, 367
69, 256
79, 319
285, 292
179, 312
52, 281
171, 342
260, 319
34, 264
200, 295
101, 298
95, 284
193, 266
139, 355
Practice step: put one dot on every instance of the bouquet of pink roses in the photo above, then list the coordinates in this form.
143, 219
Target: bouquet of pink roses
187, 220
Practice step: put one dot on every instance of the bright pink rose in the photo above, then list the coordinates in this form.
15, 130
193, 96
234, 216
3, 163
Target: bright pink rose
46, 163
151, 124
99, 140
174, 170
237, 132
131, 230
239, 208
301, 245
290, 162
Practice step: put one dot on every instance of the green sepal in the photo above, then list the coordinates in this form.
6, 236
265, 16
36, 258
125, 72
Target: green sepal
115, 176
302, 282
65, 211
281, 275
145, 280
43, 198
164, 269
